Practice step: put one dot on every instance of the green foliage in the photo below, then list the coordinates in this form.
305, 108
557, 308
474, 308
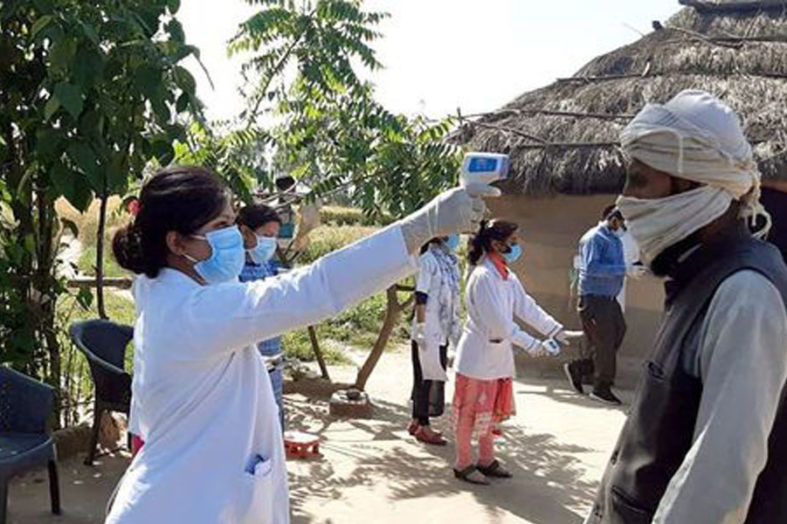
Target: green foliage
87, 263
324, 240
235, 154
331, 134
89, 95
349, 216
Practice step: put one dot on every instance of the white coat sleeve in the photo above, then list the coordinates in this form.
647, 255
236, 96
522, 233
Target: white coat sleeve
488, 298
743, 368
527, 310
230, 316
427, 270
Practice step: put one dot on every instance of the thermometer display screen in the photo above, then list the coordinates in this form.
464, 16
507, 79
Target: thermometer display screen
481, 164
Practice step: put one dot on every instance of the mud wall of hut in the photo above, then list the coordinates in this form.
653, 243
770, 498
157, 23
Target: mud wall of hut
551, 228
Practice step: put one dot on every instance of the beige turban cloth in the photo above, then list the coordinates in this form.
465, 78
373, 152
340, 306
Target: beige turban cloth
696, 137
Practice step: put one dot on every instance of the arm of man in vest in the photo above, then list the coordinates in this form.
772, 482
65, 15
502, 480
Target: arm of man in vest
743, 366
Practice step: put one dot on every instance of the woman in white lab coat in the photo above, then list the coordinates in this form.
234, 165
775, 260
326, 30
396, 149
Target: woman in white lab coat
202, 401
485, 362
435, 323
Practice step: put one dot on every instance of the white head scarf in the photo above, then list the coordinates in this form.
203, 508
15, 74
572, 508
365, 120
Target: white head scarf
696, 137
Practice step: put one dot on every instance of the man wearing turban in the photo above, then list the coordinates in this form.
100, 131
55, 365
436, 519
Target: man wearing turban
706, 438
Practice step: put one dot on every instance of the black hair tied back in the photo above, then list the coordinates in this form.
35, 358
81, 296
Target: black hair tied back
481, 242
181, 199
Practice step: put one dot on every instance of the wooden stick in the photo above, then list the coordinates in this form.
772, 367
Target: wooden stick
549, 112
706, 38
318, 353
712, 7
509, 130
83, 282
544, 144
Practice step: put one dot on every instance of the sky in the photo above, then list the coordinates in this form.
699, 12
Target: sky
440, 55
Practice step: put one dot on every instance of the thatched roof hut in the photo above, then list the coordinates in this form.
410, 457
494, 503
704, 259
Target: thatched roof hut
563, 138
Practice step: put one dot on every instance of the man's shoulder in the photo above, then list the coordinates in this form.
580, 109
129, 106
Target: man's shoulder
590, 233
749, 281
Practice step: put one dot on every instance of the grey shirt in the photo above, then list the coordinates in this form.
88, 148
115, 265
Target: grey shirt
743, 367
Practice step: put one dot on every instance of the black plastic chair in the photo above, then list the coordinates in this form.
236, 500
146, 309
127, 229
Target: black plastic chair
104, 344
25, 442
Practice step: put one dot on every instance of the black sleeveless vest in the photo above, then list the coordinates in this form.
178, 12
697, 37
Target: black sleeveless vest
660, 426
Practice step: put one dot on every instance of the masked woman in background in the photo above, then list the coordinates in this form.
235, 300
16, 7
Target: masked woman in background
484, 394
259, 224
436, 322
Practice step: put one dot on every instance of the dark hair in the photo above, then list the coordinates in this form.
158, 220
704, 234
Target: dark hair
481, 243
611, 212
425, 247
177, 198
257, 215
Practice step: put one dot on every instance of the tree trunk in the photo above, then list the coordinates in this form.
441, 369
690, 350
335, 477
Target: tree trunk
318, 353
392, 313
102, 224
45, 298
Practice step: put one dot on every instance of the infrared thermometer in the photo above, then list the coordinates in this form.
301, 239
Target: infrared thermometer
484, 168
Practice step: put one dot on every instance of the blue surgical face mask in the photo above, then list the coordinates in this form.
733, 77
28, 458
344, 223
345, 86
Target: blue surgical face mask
226, 258
264, 250
513, 255
452, 242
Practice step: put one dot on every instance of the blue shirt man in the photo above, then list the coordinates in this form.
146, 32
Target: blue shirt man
602, 271
602, 267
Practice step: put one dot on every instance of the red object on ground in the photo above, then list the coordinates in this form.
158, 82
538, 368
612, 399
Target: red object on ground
299, 445
136, 445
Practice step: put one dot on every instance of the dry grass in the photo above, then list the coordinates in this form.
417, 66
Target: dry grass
87, 222
751, 78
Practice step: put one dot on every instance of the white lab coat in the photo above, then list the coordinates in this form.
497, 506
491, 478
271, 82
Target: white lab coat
430, 282
203, 402
485, 350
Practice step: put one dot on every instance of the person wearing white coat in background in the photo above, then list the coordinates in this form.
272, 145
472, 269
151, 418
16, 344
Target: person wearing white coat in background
202, 401
484, 366
435, 324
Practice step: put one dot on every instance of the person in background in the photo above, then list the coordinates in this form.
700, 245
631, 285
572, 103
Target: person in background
484, 393
602, 270
436, 322
259, 224
705, 440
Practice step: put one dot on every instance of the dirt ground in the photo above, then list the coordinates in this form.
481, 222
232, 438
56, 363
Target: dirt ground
373, 471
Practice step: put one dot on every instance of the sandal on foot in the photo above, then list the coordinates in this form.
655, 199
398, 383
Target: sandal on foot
495, 469
425, 435
412, 428
472, 475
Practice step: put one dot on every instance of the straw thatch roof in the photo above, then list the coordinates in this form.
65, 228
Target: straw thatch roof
563, 138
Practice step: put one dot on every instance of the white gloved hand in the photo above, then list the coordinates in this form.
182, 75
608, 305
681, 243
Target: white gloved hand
566, 337
419, 334
458, 210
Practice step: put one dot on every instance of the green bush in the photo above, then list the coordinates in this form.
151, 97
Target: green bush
349, 216
326, 239
87, 262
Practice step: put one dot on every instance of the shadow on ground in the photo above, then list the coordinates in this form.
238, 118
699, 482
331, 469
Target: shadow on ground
548, 485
